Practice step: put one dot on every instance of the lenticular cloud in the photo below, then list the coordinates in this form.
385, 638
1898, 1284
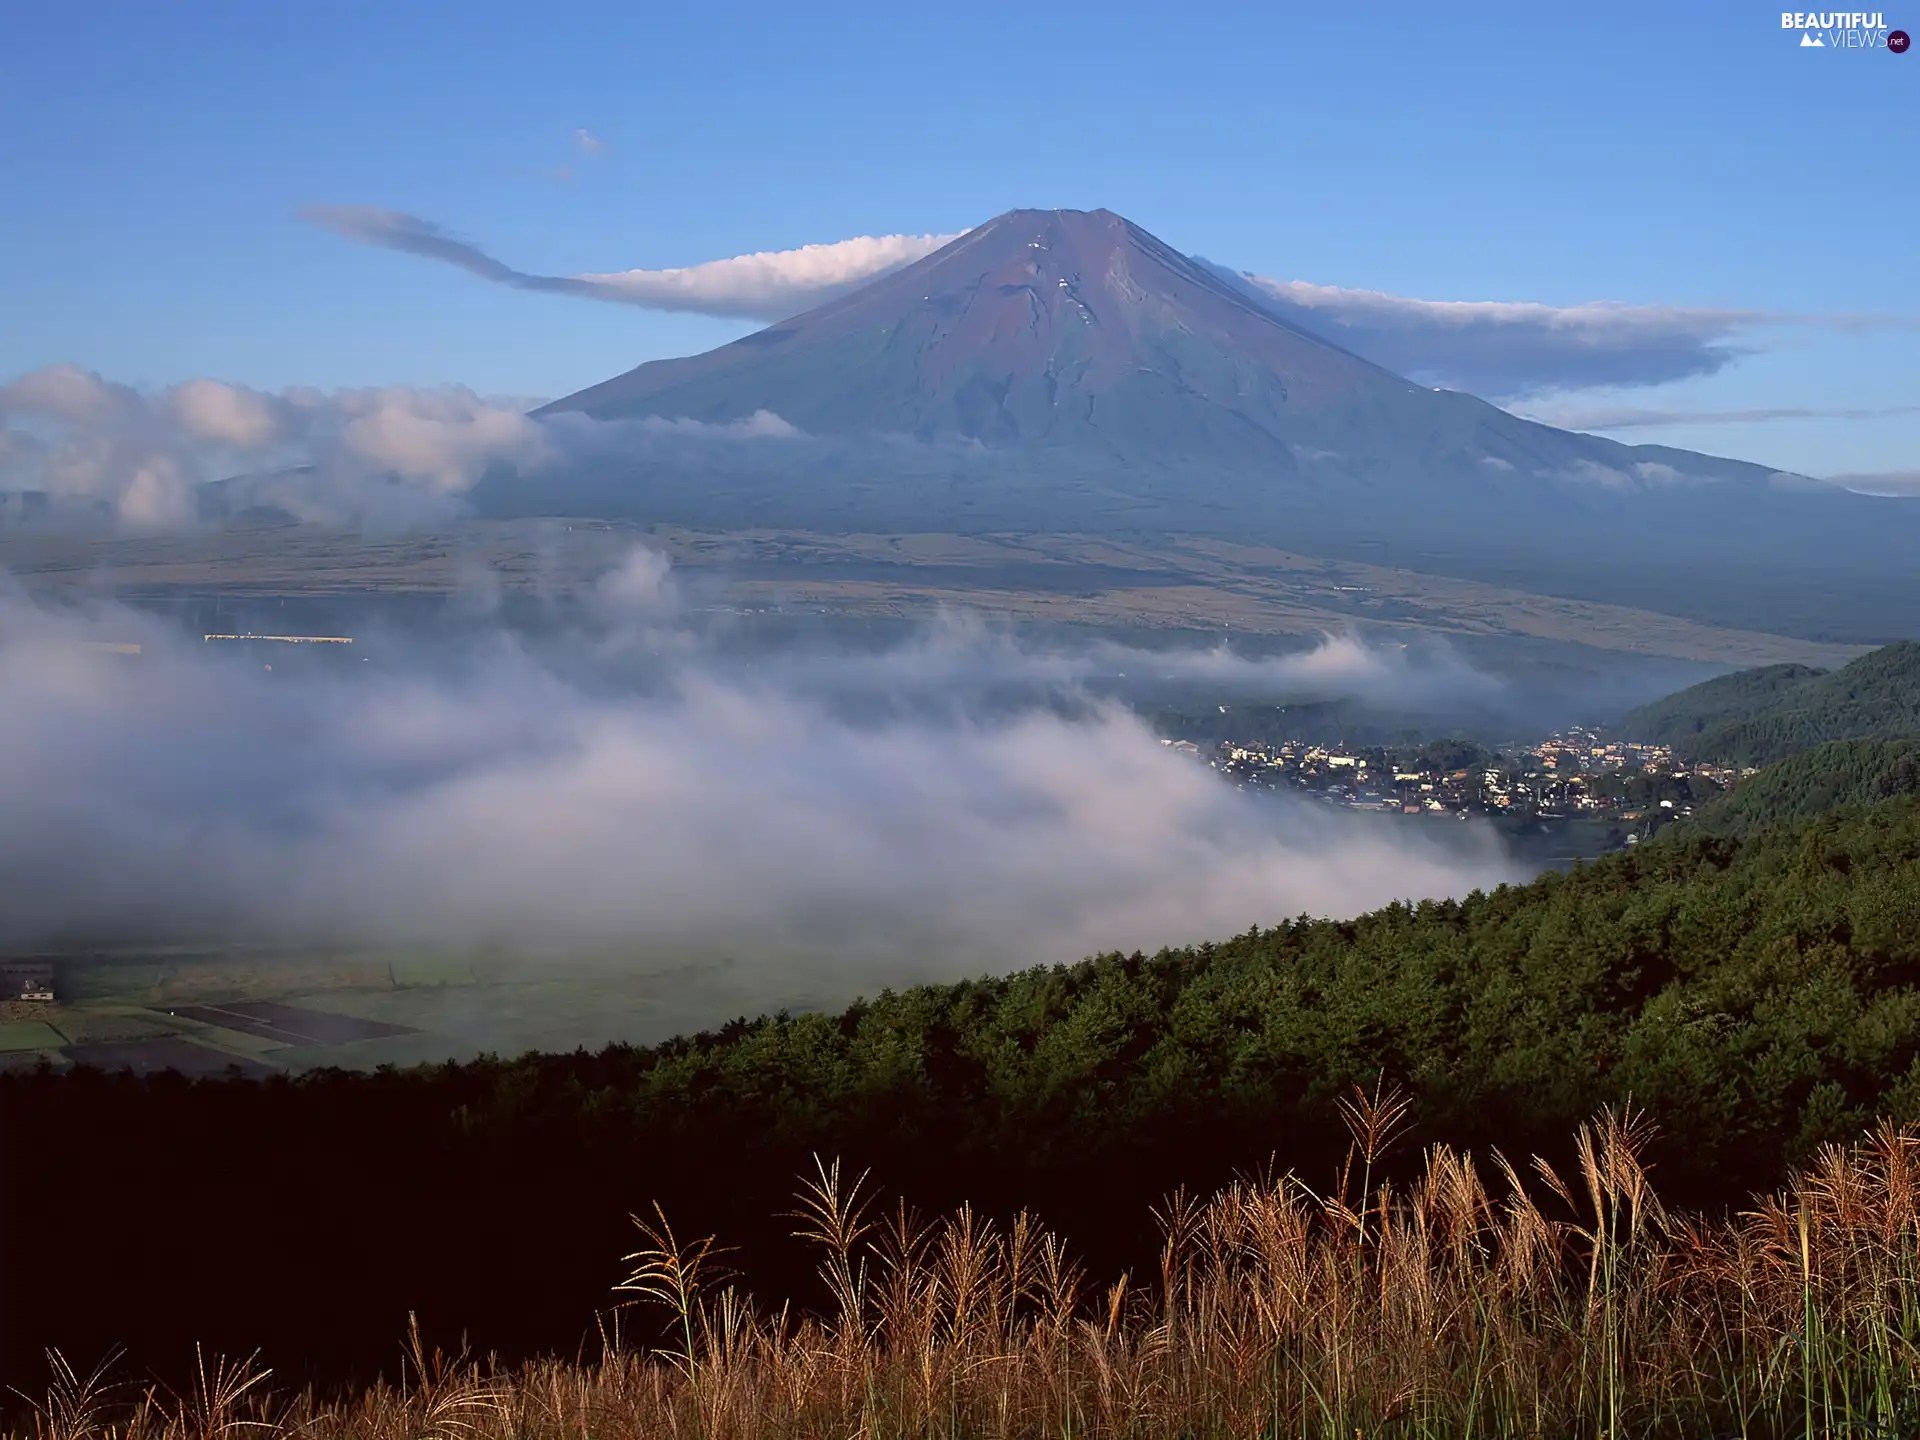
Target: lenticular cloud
765, 285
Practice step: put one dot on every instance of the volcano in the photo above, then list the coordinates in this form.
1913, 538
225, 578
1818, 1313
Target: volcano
1066, 371
1076, 342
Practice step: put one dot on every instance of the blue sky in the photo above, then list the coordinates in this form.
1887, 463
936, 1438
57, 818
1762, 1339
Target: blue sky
1676, 155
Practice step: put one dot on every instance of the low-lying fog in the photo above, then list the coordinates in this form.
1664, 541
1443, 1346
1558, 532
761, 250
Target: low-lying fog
956, 804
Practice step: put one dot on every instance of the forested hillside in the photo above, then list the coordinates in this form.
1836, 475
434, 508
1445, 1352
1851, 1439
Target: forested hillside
1755, 717
1757, 996
1825, 778
1679, 718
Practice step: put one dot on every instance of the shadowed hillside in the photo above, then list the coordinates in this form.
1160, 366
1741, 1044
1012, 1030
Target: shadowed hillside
1759, 716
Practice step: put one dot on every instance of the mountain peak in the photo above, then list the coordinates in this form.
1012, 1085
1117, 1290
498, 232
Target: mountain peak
1045, 327
1076, 222
1076, 338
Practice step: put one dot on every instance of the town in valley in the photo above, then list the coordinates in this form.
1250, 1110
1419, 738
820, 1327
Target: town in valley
1572, 774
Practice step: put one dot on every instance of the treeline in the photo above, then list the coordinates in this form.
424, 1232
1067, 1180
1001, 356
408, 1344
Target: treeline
1756, 717
1758, 996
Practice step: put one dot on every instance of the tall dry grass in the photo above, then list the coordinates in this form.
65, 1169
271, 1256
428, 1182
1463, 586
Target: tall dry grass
1476, 1300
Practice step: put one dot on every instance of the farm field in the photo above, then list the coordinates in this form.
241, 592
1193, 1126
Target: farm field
28, 1035
200, 1011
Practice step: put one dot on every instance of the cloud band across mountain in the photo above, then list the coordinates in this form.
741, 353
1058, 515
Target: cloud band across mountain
1504, 350
766, 285
1609, 418
1509, 348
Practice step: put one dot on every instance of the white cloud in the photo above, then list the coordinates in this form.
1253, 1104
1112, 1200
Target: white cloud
761, 425
158, 495
1505, 348
587, 143
770, 284
336, 455
1654, 472
1893, 483
766, 285
639, 589
388, 456
1637, 475
1578, 416
961, 650
226, 414
716, 809
1591, 472
66, 393
444, 439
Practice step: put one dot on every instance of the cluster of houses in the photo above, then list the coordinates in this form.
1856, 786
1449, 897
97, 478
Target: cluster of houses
1572, 772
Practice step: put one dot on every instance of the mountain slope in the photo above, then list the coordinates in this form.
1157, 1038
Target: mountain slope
1064, 371
1077, 338
1679, 719
1761, 716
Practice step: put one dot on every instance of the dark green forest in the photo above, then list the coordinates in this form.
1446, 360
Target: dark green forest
1758, 994
1827, 777
1680, 718
1755, 717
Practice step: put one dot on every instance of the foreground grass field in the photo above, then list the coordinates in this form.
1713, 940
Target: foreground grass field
1476, 1299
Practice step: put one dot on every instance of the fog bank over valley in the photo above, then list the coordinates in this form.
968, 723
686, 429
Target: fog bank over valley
961, 804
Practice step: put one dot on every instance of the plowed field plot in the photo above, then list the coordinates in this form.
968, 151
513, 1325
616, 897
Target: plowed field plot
290, 1024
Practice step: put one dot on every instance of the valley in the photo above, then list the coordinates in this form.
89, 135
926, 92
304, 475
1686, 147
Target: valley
1174, 585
